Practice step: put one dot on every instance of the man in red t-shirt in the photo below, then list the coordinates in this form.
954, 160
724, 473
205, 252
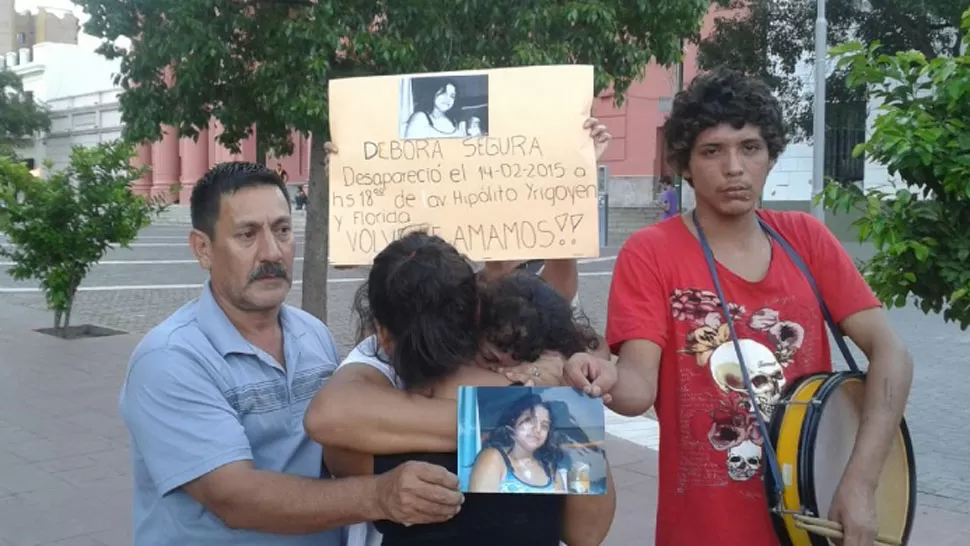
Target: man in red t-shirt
664, 320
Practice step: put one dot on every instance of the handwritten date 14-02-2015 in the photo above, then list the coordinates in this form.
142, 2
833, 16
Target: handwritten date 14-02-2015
528, 171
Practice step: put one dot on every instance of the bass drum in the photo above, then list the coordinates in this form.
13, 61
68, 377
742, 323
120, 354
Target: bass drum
813, 430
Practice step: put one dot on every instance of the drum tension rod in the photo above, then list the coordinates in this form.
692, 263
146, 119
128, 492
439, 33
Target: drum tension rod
800, 403
803, 512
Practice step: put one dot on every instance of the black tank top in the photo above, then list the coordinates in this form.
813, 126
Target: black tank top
485, 519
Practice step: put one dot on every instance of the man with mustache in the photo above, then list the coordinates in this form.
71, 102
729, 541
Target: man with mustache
215, 396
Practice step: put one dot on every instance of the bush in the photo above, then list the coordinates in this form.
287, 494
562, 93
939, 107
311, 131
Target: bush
922, 135
62, 226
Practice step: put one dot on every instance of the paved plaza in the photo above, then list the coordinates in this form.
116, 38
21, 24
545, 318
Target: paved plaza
64, 468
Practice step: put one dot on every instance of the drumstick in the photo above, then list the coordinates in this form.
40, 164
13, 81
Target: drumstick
831, 529
834, 534
835, 527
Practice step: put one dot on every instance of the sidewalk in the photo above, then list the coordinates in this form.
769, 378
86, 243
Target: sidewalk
65, 470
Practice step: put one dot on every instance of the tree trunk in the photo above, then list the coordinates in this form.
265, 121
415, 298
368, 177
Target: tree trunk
317, 232
260, 153
260, 147
70, 307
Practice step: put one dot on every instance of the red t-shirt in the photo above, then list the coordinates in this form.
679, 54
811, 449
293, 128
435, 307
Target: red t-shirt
710, 490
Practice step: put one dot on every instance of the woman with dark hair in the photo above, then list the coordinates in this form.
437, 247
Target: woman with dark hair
522, 316
522, 455
421, 300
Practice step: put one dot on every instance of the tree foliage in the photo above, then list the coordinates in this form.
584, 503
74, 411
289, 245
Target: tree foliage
60, 227
20, 117
775, 39
922, 135
268, 63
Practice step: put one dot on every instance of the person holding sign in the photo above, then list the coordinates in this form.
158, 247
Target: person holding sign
422, 298
678, 350
394, 422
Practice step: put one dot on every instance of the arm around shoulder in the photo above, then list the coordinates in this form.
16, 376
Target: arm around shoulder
390, 421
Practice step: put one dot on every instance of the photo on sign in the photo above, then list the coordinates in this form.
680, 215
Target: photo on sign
435, 107
531, 440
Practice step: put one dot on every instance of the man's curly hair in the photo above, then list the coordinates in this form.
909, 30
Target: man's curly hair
721, 96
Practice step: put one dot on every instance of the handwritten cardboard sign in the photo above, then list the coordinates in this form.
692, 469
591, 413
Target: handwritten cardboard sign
496, 162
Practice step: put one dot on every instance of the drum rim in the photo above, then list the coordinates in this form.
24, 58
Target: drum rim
806, 452
774, 429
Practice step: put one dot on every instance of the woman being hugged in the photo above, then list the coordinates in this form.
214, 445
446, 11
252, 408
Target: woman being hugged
421, 299
521, 316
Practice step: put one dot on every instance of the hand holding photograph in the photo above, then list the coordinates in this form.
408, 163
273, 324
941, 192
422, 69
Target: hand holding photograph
539, 440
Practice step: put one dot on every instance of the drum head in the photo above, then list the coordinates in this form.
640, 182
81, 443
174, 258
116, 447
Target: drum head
827, 440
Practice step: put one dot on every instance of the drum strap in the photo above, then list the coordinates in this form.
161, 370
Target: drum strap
836, 332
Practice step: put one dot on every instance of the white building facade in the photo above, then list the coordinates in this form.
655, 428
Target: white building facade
77, 86
791, 179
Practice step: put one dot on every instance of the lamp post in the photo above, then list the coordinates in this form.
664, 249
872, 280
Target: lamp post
818, 151
686, 199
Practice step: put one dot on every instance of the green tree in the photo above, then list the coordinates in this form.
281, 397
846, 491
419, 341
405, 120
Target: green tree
267, 63
771, 38
20, 117
922, 135
60, 227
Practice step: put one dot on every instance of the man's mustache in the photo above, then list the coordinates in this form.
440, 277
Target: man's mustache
275, 270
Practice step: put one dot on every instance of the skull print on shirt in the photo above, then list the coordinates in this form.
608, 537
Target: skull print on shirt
734, 429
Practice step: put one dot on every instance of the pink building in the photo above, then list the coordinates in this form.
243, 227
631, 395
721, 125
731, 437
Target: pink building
635, 159
181, 162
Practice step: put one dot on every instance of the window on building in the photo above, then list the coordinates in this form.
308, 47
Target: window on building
29, 162
845, 128
84, 121
21, 38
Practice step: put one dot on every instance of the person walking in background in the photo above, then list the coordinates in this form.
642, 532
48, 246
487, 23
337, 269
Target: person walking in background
668, 197
281, 172
301, 197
